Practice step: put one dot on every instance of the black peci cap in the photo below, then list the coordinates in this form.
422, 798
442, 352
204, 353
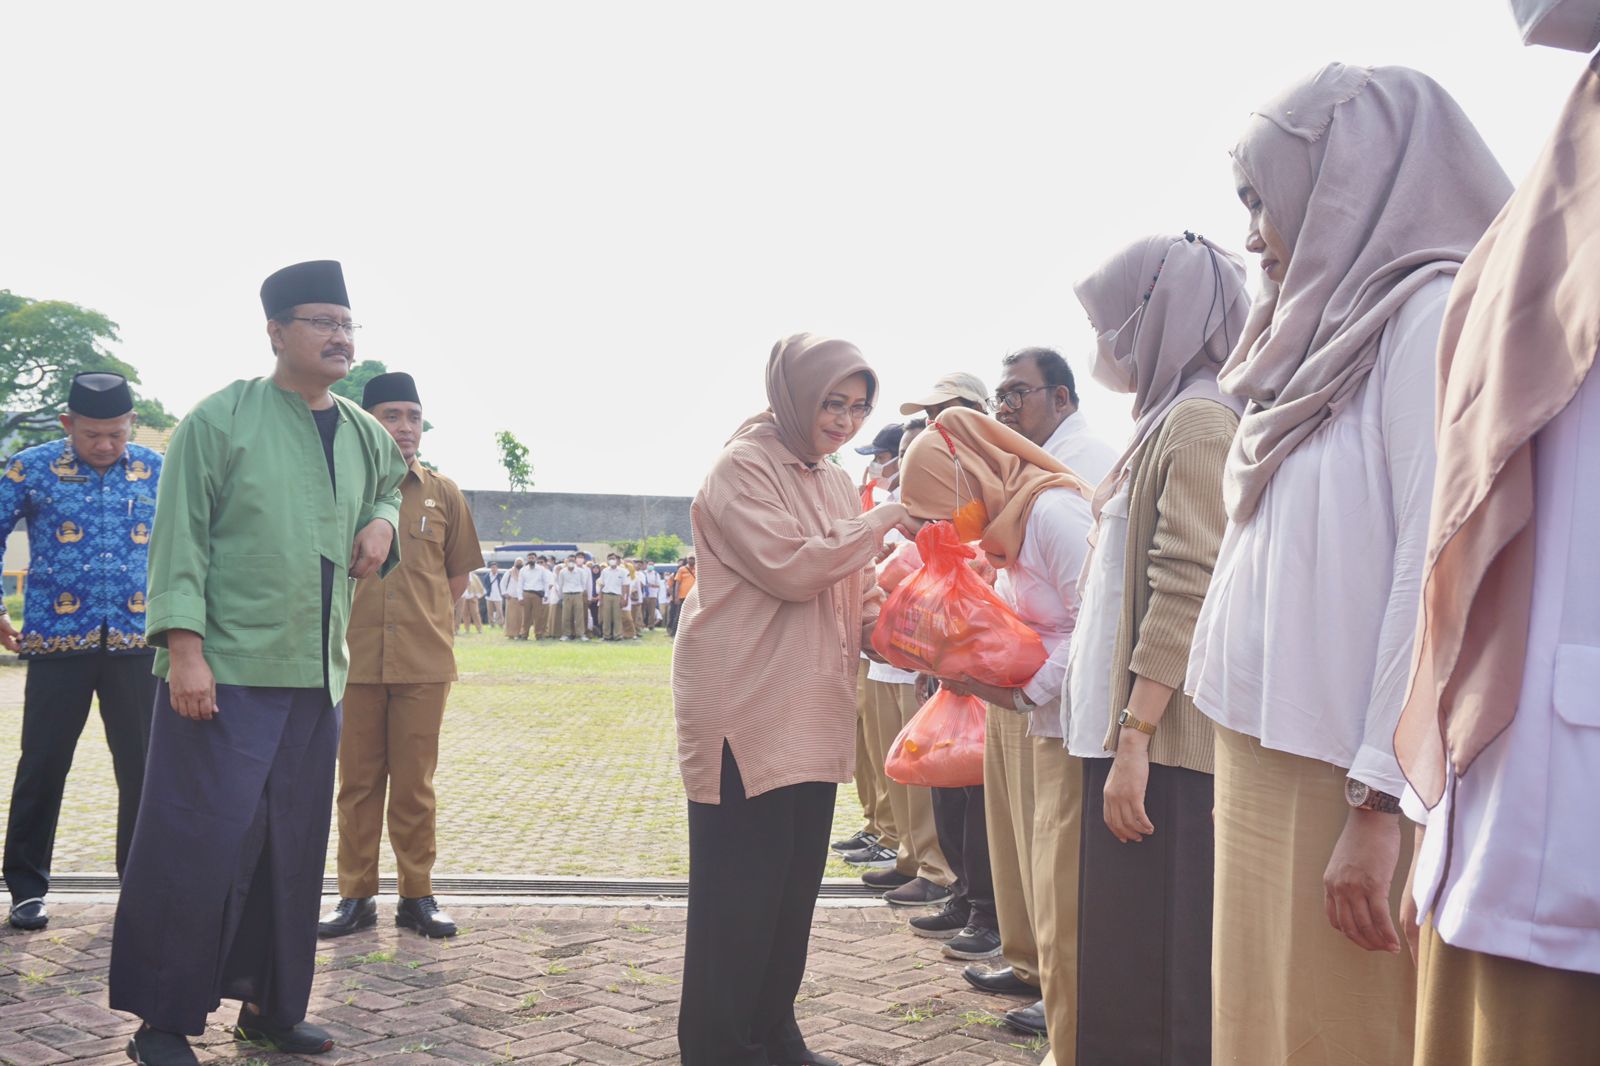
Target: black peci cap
389, 388
99, 394
320, 281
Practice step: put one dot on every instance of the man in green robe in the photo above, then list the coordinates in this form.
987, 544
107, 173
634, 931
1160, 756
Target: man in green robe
276, 496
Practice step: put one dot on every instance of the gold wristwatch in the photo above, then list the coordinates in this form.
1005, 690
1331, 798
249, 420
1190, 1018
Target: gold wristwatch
1128, 720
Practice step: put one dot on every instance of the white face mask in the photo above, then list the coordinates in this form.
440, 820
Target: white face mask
875, 469
1108, 370
1570, 24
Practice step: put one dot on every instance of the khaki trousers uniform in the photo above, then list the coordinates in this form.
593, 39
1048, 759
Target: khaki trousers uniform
574, 616
1053, 901
552, 618
533, 615
919, 854
610, 615
878, 734
649, 609
513, 617
630, 622
390, 736
872, 784
1008, 777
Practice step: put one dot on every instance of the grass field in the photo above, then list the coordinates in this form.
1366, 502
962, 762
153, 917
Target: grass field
555, 759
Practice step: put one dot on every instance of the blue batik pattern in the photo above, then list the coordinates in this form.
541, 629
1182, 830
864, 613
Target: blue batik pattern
88, 543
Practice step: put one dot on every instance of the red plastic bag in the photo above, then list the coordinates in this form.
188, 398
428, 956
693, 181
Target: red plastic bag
942, 745
944, 620
904, 561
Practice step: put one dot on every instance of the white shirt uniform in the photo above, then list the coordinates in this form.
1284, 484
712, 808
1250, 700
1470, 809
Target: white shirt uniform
533, 581
1513, 850
495, 594
575, 579
613, 581
1304, 640
552, 589
1085, 454
1094, 640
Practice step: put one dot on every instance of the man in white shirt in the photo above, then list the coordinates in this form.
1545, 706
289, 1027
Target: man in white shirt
652, 589
613, 583
495, 595
535, 579
1038, 397
574, 583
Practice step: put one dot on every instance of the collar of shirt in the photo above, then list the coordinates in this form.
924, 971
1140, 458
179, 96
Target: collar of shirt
1071, 426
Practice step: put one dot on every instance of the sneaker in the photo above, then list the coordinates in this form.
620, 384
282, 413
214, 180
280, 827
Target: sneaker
946, 923
862, 839
874, 856
885, 879
918, 892
973, 943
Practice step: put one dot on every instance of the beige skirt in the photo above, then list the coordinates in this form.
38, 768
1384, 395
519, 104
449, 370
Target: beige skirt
1484, 1010
1288, 989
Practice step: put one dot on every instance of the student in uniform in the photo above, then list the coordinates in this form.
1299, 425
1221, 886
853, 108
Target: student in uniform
512, 581
402, 663
276, 494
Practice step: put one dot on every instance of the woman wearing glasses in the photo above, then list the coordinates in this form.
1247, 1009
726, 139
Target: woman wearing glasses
763, 684
1366, 188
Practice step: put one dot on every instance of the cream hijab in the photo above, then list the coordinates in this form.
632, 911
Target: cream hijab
1181, 303
968, 460
1519, 338
801, 371
1379, 184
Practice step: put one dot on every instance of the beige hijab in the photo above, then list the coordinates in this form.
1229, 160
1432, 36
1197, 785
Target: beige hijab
1519, 338
1167, 311
1379, 184
800, 373
966, 459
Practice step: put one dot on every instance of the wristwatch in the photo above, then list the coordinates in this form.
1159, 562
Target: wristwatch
1129, 721
1363, 797
1020, 702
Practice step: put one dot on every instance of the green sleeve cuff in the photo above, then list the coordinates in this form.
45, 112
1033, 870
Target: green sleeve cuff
173, 610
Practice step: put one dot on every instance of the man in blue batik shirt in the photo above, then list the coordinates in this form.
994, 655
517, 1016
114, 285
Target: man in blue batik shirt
89, 500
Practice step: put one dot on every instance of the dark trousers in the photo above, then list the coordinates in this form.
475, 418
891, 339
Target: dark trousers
755, 866
964, 838
55, 707
672, 621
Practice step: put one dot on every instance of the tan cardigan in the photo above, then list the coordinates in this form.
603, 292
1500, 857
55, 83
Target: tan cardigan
1175, 524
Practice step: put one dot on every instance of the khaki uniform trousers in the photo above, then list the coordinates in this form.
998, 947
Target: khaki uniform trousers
648, 609
533, 616
1053, 902
630, 622
574, 615
872, 784
610, 615
890, 708
513, 617
390, 738
552, 618
1008, 777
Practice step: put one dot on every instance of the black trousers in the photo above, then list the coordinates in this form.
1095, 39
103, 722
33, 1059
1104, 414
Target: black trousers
755, 866
964, 838
56, 699
672, 623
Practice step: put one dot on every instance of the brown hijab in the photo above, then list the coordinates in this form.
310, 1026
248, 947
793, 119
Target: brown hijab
1379, 183
968, 460
1520, 336
801, 371
1166, 310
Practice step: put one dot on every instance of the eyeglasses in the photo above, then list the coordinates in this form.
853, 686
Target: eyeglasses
857, 411
1012, 398
326, 326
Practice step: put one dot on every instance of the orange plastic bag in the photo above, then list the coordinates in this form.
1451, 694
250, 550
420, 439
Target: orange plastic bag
942, 745
944, 620
904, 561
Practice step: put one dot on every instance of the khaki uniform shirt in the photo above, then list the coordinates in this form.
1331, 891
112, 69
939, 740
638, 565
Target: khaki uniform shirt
402, 627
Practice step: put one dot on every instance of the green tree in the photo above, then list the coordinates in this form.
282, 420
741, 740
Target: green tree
514, 457
661, 548
352, 384
43, 343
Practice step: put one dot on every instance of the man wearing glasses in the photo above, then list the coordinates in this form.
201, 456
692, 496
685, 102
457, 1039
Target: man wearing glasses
1039, 399
276, 497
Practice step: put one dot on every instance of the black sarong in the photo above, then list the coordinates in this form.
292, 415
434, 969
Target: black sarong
224, 880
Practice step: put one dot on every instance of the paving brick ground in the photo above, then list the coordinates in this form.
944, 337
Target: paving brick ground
527, 983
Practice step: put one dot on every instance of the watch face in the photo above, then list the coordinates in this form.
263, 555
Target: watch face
1355, 792
1122, 719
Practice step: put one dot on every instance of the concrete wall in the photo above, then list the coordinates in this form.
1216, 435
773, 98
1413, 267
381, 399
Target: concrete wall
578, 517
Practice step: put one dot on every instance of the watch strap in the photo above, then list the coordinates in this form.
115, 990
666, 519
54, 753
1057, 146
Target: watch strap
1127, 719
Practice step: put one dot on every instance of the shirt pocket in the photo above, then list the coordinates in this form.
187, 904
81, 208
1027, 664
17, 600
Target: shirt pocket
249, 592
1577, 684
426, 535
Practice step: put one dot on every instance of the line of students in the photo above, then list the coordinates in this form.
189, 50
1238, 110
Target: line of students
571, 599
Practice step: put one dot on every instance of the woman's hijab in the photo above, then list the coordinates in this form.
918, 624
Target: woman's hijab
801, 371
1519, 339
1166, 311
1378, 183
984, 476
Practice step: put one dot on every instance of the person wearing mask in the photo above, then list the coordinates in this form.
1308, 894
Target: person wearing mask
402, 664
512, 582
649, 594
534, 583
495, 596
275, 495
89, 501
630, 579
1365, 188
786, 598
574, 583
663, 598
1031, 517
552, 603
1029, 833
1166, 311
596, 625
682, 585
613, 583
1500, 736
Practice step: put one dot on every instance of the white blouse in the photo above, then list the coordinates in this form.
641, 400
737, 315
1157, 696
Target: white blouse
1304, 639
1513, 849
1094, 643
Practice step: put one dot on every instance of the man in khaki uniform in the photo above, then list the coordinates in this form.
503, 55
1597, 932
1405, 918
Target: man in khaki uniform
402, 662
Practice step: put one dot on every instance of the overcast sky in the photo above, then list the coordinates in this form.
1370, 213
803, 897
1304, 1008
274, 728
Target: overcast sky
588, 223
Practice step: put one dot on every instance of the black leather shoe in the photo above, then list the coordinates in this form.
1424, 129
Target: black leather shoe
29, 914
884, 879
1028, 1020
1002, 982
917, 892
348, 916
423, 915
302, 1038
153, 1047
